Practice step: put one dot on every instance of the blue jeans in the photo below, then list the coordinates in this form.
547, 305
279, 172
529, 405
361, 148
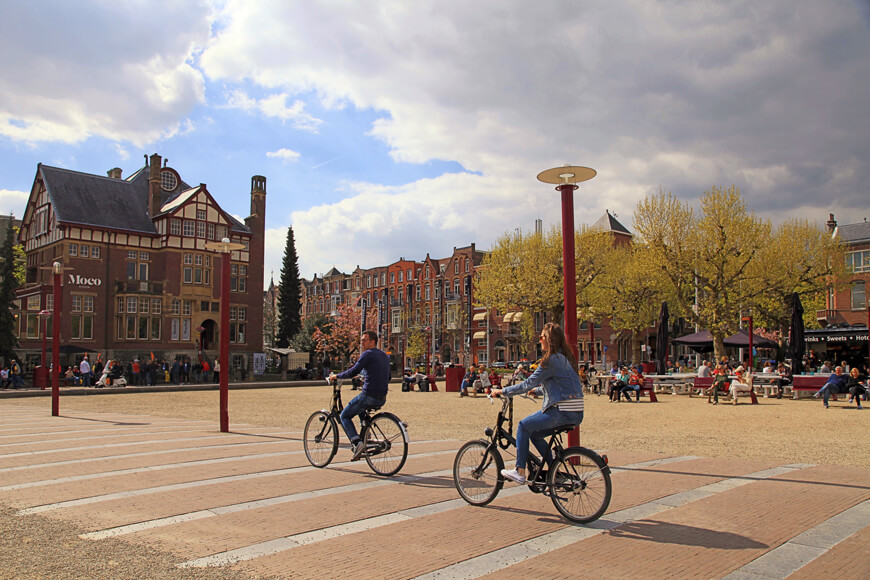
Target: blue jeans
86, 379
356, 408
537, 426
826, 392
627, 390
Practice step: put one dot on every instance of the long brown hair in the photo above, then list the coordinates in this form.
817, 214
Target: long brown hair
557, 344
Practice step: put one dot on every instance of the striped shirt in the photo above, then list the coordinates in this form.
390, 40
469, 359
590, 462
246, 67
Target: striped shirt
574, 405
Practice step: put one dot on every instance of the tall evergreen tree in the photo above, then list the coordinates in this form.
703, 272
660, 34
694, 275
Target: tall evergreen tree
8, 284
289, 300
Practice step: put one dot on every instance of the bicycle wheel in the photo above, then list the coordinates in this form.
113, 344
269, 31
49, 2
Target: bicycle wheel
320, 439
386, 444
579, 485
477, 472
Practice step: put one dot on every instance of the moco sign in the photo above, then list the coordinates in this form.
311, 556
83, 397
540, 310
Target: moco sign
82, 281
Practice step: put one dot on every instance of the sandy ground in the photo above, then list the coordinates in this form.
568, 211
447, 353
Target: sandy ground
781, 430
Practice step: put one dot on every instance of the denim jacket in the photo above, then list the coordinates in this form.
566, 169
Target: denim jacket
558, 381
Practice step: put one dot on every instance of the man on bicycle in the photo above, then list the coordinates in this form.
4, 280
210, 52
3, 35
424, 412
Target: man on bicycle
376, 365
557, 379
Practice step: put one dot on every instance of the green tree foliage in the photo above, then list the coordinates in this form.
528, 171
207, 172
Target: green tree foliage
289, 301
11, 274
629, 292
416, 347
304, 341
741, 264
524, 271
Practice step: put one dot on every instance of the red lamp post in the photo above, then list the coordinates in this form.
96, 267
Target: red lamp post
57, 270
565, 178
43, 316
225, 248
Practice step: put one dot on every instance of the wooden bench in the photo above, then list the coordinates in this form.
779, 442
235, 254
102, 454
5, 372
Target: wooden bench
700, 384
648, 388
808, 384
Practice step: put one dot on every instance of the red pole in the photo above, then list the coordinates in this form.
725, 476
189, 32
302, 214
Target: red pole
225, 341
44, 332
55, 340
569, 286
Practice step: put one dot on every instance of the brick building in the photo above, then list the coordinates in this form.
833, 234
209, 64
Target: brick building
138, 279
845, 317
436, 297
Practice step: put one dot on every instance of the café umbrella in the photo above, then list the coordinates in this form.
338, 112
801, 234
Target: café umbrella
796, 340
662, 341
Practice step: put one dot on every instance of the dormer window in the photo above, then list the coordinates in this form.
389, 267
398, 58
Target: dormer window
168, 180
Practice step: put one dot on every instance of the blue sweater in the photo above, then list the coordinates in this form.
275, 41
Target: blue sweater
839, 381
376, 365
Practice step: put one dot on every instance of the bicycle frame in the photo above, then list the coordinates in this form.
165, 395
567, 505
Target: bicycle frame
504, 438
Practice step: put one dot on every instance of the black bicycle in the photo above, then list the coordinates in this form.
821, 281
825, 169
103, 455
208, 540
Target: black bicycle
578, 481
385, 437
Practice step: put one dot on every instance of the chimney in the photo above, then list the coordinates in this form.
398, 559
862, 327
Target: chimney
154, 188
832, 224
258, 196
114, 173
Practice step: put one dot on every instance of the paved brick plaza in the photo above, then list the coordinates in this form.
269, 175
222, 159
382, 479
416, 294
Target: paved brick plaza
250, 501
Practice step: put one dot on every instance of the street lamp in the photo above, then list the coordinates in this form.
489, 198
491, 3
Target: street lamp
565, 178
56, 270
225, 247
43, 316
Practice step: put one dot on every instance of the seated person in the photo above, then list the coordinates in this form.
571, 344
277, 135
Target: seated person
619, 380
785, 378
741, 384
69, 376
421, 380
635, 382
468, 382
495, 379
407, 380
836, 384
856, 387
482, 384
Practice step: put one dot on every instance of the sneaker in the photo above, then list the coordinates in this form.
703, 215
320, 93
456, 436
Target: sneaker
358, 450
512, 475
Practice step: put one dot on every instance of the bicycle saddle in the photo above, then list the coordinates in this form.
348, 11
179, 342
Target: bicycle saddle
565, 428
370, 409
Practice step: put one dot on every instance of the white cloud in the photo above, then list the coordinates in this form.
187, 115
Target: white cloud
275, 106
283, 154
683, 96
14, 201
113, 71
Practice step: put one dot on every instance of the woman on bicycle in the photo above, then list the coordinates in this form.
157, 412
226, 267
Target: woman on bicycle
556, 377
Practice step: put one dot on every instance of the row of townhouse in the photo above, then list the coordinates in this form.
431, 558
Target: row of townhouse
437, 296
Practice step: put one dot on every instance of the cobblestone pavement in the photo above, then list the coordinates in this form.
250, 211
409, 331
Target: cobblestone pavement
248, 504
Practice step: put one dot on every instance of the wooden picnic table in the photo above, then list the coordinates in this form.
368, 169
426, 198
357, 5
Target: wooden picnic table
678, 383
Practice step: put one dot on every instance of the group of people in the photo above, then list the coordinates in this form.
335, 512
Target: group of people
624, 382
481, 380
841, 383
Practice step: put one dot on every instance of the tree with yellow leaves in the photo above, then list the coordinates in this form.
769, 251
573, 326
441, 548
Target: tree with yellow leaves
739, 263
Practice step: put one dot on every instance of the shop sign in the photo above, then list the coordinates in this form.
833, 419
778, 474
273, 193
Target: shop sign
837, 338
83, 281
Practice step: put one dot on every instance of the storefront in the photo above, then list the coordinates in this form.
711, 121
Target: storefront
839, 344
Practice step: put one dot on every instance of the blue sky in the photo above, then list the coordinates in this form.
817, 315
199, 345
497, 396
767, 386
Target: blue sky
392, 129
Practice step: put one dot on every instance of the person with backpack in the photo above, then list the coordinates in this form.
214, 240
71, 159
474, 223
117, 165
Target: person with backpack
15, 375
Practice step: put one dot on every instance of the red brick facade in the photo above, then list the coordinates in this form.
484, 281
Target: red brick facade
130, 291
